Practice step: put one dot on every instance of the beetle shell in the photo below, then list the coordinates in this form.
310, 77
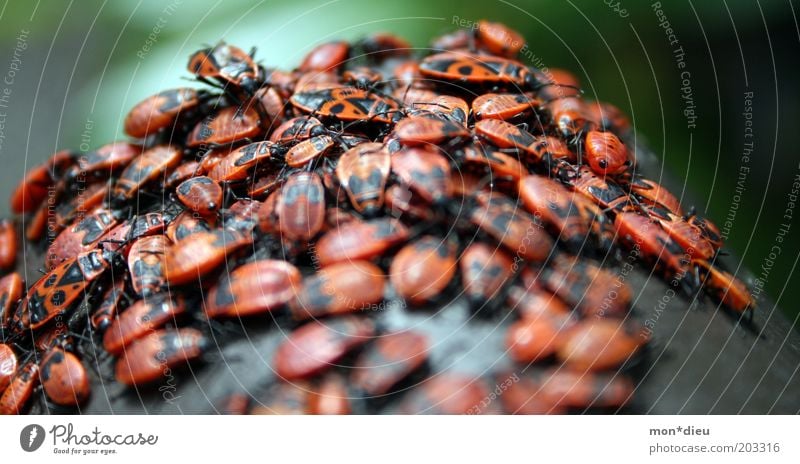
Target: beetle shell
360, 240
421, 270
325, 57
64, 378
505, 106
144, 264
599, 344
308, 150
200, 194
8, 244
301, 207
484, 271
80, 238
56, 291
142, 317
19, 391
428, 130
499, 39
606, 153
12, 288
8, 365
362, 171
534, 339
254, 288
297, 129
229, 125
516, 230
427, 172
237, 164
107, 309
388, 361
145, 168
147, 359
339, 288
345, 104
567, 388
200, 253
159, 111
317, 346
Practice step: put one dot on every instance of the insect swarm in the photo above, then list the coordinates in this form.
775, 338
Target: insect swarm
370, 181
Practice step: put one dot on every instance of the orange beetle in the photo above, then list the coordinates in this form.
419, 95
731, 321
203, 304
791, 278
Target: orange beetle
599, 344
362, 171
8, 244
301, 207
339, 288
146, 359
426, 172
19, 391
499, 39
326, 57
161, 110
421, 270
201, 195
64, 378
389, 360
484, 271
141, 318
198, 254
254, 288
227, 126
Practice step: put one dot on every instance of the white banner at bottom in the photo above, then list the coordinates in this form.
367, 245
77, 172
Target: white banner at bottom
399, 439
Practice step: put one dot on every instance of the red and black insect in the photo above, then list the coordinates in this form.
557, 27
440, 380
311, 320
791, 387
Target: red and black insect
392, 358
606, 154
339, 288
599, 344
146, 359
362, 172
109, 306
239, 163
19, 391
146, 168
200, 194
569, 215
318, 345
428, 130
426, 172
358, 240
515, 229
161, 110
82, 237
191, 258
362, 77
498, 166
104, 161
570, 118
229, 125
86, 201
651, 193
485, 270
498, 38
186, 224
505, 106
655, 245
301, 207
725, 287
481, 70
254, 288
8, 365
57, 291
8, 244
534, 339
422, 270
326, 57
297, 129
64, 378
33, 189
346, 104
591, 290
145, 264
227, 66
450, 108
308, 150
12, 287
143, 317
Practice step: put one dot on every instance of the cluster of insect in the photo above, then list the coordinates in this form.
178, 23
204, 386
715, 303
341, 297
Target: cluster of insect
370, 172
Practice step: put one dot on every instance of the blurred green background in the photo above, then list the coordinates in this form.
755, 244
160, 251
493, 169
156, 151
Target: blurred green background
72, 69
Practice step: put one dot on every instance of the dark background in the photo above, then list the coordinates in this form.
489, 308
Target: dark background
83, 64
